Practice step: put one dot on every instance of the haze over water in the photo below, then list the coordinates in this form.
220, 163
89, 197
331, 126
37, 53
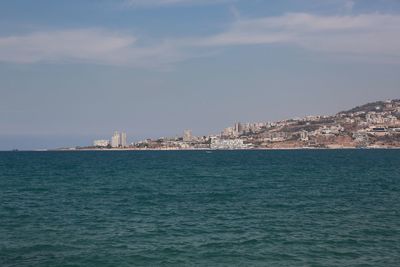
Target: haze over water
191, 208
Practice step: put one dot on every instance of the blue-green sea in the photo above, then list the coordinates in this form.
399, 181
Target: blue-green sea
192, 208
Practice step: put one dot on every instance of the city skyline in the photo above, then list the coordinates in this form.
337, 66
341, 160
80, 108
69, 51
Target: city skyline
73, 71
371, 125
374, 118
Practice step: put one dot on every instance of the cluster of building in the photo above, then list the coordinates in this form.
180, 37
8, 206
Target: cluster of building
118, 140
240, 128
372, 125
218, 143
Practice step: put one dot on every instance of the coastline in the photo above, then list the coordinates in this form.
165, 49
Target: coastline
203, 149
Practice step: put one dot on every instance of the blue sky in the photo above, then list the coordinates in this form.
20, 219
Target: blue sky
72, 71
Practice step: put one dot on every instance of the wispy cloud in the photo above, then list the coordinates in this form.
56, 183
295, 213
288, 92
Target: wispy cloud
367, 35
163, 3
85, 45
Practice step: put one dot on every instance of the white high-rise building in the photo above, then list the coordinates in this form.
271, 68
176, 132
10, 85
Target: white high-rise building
123, 139
238, 128
187, 136
115, 140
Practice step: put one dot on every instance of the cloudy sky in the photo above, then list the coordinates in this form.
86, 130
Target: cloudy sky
72, 71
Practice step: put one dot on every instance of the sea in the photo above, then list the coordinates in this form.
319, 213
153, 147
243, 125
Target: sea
200, 208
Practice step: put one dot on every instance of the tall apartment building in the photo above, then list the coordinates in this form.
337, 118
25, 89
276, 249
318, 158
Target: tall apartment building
187, 136
115, 140
238, 128
123, 139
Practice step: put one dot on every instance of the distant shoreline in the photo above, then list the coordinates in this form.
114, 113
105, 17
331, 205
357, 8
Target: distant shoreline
201, 149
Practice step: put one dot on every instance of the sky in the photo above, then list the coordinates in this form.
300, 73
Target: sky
77, 70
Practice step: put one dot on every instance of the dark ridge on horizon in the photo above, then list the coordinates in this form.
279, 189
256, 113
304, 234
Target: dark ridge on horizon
370, 106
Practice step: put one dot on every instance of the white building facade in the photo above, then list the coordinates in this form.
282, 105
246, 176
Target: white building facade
101, 143
115, 140
123, 139
217, 143
187, 136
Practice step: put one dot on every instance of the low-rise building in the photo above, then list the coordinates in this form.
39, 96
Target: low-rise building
304, 136
228, 132
217, 143
101, 143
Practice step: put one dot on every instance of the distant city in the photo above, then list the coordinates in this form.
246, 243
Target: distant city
373, 125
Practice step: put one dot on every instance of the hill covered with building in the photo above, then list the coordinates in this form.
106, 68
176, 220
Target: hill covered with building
373, 125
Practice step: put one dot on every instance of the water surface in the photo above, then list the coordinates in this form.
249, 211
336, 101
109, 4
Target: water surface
191, 208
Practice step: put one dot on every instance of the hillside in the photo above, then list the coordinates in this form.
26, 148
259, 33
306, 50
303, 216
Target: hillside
378, 106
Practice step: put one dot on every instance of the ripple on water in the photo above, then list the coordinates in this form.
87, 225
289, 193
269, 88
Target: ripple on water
189, 208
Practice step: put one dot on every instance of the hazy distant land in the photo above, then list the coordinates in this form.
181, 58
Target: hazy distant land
373, 125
